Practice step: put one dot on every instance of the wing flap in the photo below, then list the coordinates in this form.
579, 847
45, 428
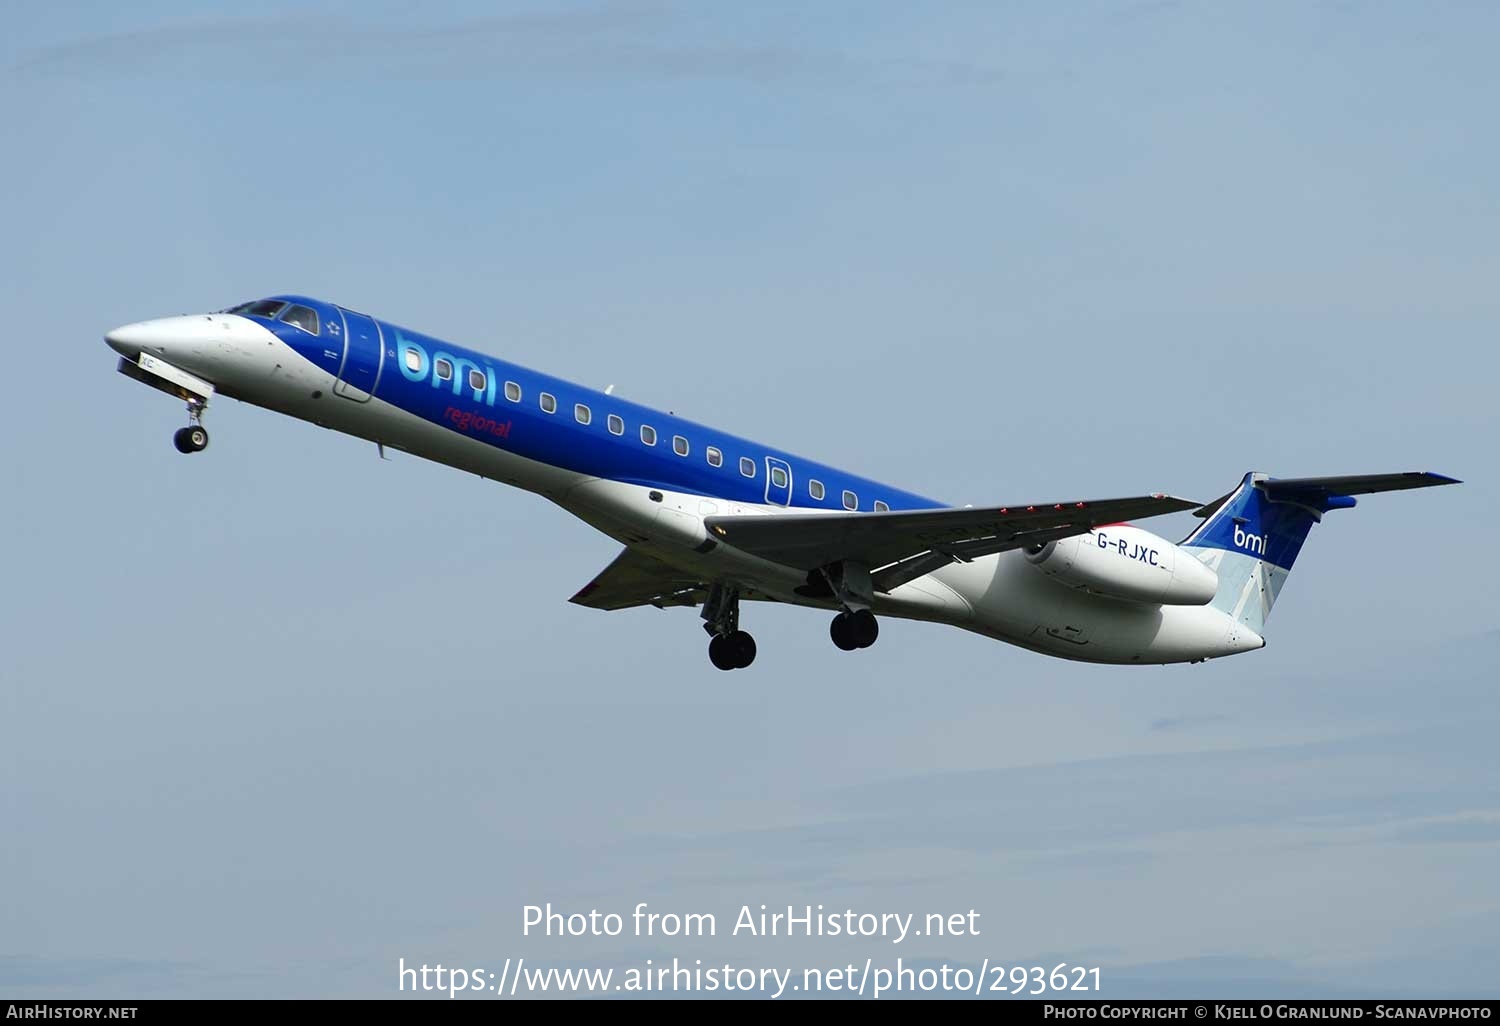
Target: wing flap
636, 579
811, 540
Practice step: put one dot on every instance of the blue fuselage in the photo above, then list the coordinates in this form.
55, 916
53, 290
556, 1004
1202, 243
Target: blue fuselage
578, 429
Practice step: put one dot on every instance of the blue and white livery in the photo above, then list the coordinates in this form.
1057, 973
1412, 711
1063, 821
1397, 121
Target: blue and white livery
709, 519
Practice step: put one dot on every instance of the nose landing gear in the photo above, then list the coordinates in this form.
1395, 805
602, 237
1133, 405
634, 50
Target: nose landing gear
190, 439
194, 437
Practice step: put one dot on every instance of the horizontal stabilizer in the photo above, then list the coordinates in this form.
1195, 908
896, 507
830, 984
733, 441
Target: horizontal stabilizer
1318, 491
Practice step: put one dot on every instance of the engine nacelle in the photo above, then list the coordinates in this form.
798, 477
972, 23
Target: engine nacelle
1127, 563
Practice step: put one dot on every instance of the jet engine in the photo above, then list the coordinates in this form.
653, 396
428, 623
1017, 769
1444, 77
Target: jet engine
1127, 563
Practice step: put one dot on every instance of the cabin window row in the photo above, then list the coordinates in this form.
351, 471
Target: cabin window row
581, 413
477, 379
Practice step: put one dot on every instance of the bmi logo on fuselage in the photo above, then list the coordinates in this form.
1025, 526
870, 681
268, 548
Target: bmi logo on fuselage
445, 369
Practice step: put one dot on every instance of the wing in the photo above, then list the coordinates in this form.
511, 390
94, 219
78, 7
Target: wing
634, 579
901, 546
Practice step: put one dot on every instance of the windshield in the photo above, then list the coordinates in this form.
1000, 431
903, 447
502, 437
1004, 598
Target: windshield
258, 308
301, 317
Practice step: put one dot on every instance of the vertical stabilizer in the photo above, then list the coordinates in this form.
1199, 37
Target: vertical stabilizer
1251, 537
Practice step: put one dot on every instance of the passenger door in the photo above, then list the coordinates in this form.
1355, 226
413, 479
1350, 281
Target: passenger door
778, 482
364, 357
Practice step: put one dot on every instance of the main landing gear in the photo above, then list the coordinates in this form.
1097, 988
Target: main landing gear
729, 648
857, 629
855, 626
733, 651
194, 437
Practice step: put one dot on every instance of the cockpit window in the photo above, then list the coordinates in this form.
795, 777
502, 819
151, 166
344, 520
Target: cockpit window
259, 308
302, 317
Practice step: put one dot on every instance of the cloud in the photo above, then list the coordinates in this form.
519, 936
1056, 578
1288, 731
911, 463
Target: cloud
318, 42
98, 974
1478, 828
1186, 722
605, 42
1228, 978
1322, 790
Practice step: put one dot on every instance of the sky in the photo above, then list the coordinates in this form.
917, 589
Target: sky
281, 714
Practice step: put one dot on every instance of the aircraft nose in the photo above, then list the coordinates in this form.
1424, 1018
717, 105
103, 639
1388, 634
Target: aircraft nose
171, 338
128, 339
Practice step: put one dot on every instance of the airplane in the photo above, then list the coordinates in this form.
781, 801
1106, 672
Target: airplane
710, 520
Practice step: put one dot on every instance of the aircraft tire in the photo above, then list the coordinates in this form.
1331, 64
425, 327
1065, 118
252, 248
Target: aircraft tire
720, 653
841, 630
741, 648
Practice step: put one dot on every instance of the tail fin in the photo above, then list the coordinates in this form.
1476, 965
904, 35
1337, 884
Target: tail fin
1251, 536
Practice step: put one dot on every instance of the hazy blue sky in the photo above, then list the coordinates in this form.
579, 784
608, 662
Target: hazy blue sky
276, 715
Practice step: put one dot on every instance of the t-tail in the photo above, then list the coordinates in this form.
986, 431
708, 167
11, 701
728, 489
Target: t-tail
1251, 536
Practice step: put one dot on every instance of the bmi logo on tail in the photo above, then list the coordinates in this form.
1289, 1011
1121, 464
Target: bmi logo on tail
1243, 539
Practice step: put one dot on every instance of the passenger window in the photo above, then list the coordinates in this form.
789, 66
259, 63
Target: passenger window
882, 506
582, 414
747, 466
616, 425
476, 380
778, 477
715, 457
549, 402
302, 317
815, 489
444, 370
414, 361
679, 445
648, 434
851, 501
513, 391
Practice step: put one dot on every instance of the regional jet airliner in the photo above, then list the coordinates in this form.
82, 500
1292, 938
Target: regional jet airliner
709, 519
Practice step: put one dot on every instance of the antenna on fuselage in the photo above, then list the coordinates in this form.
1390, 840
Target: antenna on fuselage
610, 390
